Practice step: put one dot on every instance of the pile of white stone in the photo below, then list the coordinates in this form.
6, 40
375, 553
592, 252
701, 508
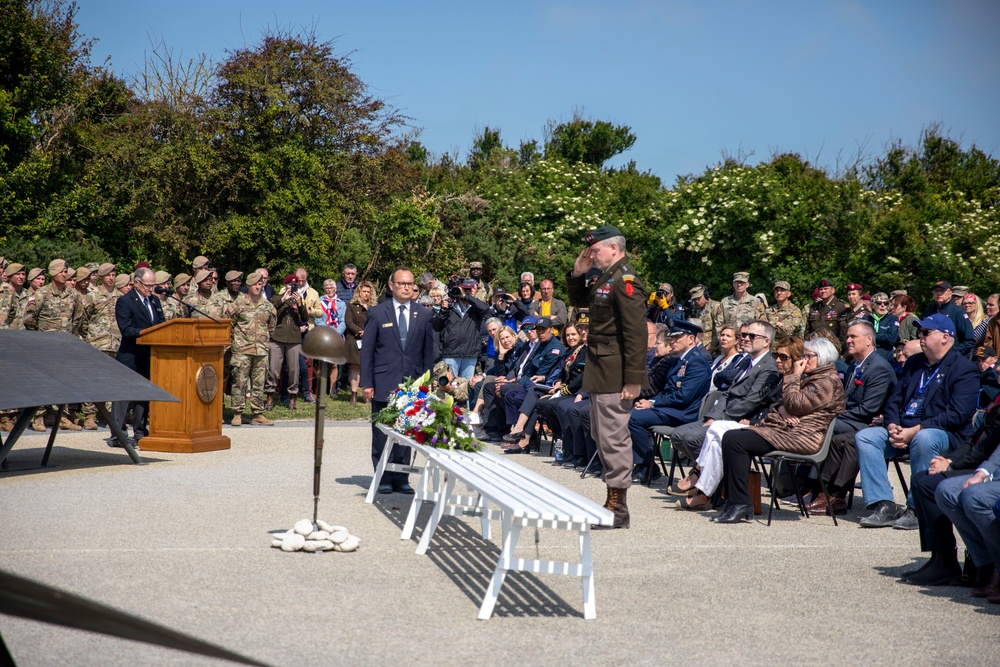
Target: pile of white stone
304, 536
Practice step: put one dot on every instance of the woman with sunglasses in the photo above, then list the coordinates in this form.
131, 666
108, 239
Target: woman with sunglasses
886, 325
973, 307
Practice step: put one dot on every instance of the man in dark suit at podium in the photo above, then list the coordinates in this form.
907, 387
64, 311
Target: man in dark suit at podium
136, 311
398, 343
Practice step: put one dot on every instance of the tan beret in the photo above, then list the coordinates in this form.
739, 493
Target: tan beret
254, 278
200, 262
181, 279
202, 276
122, 280
14, 268
105, 269
161, 277
234, 275
83, 273
57, 265
34, 273
70, 273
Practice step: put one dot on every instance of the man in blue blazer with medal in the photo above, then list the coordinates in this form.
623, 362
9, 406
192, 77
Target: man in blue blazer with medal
398, 344
134, 312
929, 412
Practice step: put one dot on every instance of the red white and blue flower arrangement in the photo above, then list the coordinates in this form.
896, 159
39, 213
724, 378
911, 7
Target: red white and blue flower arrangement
416, 411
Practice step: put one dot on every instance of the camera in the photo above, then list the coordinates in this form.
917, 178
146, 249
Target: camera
455, 287
443, 381
660, 294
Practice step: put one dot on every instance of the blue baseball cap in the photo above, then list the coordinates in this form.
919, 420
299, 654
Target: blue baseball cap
938, 322
530, 319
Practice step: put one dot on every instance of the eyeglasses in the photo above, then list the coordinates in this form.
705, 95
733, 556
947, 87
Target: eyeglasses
924, 333
528, 327
810, 355
405, 284
880, 302
146, 284
780, 356
751, 336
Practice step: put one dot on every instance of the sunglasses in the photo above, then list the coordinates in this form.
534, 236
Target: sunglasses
880, 302
780, 356
751, 336
528, 327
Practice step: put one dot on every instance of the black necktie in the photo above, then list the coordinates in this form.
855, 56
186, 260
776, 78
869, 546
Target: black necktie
402, 326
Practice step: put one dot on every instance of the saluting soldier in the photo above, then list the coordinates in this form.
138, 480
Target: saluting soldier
705, 311
616, 355
254, 320
740, 306
784, 315
827, 313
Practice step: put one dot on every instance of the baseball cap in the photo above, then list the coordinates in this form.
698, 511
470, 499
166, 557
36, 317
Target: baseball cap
938, 322
984, 351
941, 284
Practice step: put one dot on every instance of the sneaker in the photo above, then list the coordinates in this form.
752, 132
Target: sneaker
906, 521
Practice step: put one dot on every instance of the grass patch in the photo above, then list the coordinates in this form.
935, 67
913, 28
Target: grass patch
338, 409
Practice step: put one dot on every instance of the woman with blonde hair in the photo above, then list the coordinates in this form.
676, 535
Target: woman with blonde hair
357, 314
973, 307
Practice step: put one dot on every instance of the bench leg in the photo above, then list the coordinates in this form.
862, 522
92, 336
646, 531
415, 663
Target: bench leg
380, 470
425, 489
589, 603
439, 507
484, 520
511, 534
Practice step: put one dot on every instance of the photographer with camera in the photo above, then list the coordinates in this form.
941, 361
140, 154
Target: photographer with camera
662, 306
507, 308
459, 319
286, 341
446, 384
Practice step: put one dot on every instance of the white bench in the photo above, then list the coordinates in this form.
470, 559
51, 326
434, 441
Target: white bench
521, 498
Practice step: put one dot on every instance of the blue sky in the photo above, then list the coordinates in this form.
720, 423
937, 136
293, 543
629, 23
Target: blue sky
692, 79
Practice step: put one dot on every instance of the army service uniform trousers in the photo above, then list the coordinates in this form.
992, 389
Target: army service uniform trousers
609, 416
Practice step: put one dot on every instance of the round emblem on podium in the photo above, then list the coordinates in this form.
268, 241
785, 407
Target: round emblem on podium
207, 383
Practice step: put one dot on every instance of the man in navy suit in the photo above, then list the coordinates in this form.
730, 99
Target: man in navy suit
928, 412
398, 344
136, 311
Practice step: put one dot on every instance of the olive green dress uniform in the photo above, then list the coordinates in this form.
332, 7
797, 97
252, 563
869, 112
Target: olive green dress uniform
616, 356
787, 320
828, 317
737, 312
253, 324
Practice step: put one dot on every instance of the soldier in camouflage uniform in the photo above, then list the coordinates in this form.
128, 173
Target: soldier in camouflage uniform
172, 308
102, 326
204, 299
36, 279
785, 315
13, 299
705, 311
740, 306
828, 313
254, 319
55, 307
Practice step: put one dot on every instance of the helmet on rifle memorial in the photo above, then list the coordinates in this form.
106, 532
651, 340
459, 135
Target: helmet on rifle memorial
325, 344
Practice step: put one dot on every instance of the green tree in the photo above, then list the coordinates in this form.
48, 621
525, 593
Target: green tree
591, 142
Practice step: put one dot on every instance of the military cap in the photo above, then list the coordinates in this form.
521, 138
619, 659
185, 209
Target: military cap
941, 284
741, 276
697, 291
93, 266
290, 278
681, 327
161, 277
984, 351
543, 323
200, 262
602, 233
254, 278
440, 368
105, 269
83, 272
142, 265
122, 279
499, 292
202, 276
782, 284
855, 286
70, 273
897, 292
181, 279
233, 275
34, 273
824, 283
959, 290
14, 268
866, 297
583, 316
475, 265
57, 265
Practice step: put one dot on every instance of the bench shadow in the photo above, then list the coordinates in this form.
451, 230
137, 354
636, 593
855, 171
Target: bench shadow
26, 460
468, 560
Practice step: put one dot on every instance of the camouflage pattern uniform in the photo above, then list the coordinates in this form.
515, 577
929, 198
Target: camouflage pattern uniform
710, 335
102, 332
212, 305
253, 324
173, 309
787, 321
52, 310
12, 307
737, 311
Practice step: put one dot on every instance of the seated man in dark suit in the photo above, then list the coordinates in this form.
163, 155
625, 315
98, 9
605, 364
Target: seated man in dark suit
867, 385
677, 402
134, 312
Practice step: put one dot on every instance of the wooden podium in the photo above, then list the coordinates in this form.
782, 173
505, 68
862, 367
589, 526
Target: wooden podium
186, 360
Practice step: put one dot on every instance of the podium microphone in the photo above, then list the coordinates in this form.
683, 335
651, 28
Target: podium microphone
163, 290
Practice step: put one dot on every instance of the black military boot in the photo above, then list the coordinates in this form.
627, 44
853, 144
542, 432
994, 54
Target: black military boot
617, 503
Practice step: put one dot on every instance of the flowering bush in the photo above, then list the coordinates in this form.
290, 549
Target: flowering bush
416, 411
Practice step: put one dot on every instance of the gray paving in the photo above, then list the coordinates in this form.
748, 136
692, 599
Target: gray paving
183, 541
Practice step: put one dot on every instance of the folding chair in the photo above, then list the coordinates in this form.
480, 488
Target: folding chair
660, 433
901, 457
814, 460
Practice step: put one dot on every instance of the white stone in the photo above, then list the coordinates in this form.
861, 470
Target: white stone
323, 525
303, 527
293, 542
313, 545
318, 535
339, 536
335, 529
275, 542
324, 545
351, 544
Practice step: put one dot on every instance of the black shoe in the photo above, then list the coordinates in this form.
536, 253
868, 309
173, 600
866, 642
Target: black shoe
513, 437
385, 488
885, 515
929, 563
906, 521
492, 437
572, 462
521, 450
405, 489
939, 574
735, 514
596, 469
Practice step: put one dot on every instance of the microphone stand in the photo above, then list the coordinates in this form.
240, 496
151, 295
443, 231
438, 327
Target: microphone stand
170, 295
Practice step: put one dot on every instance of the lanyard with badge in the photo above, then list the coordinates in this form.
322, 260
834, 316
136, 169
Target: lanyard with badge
916, 405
